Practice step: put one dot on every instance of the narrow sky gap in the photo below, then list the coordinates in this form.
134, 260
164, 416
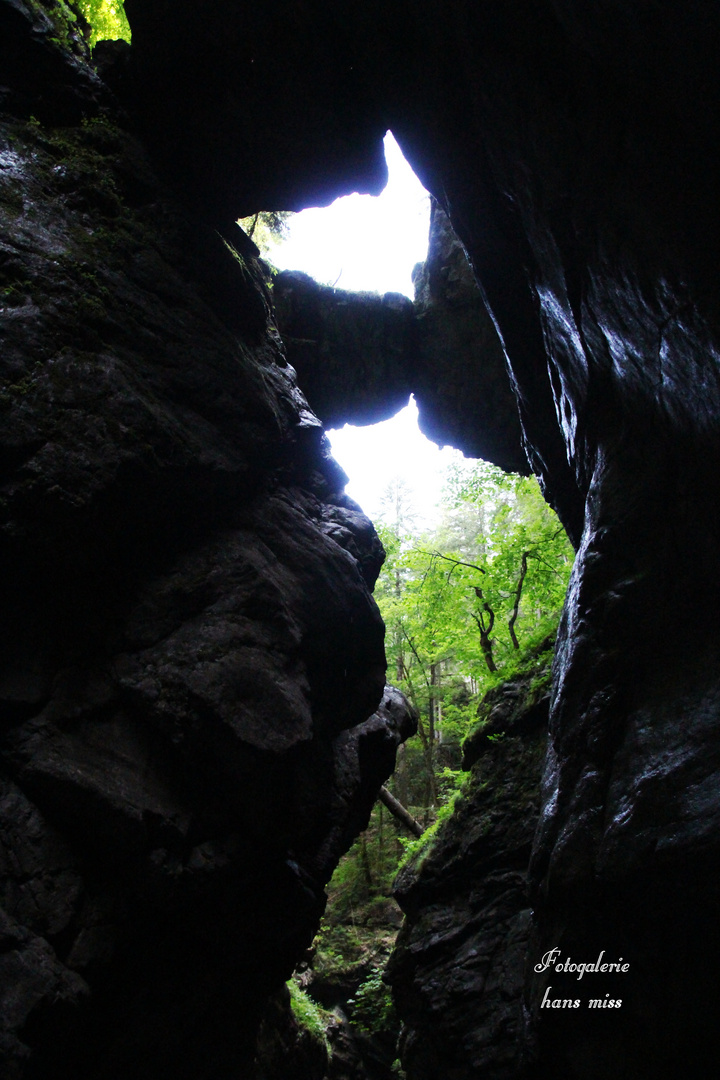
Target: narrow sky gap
371, 244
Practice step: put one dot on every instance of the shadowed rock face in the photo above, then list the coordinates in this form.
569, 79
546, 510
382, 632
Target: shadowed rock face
354, 352
572, 145
472, 405
191, 663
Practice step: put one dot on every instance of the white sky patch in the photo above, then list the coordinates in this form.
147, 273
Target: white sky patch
366, 243
373, 456
361, 242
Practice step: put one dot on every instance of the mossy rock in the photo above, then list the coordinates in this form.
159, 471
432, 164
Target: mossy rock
516, 706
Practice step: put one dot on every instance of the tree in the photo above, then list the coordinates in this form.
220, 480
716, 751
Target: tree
267, 228
461, 602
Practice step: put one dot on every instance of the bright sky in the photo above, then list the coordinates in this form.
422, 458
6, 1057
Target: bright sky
374, 456
364, 243
372, 244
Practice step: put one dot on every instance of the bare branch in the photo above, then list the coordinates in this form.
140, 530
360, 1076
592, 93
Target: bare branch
415, 653
534, 555
449, 558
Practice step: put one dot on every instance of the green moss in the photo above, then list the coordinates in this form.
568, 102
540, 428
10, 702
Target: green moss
63, 23
15, 294
417, 850
532, 674
308, 1014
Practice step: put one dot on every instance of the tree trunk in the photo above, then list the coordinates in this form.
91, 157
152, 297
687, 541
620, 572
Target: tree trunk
486, 646
518, 594
485, 643
400, 659
401, 774
432, 715
365, 862
430, 788
398, 810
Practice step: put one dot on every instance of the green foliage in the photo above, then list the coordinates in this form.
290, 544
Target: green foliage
461, 603
267, 228
421, 844
107, 20
498, 548
307, 1013
372, 1006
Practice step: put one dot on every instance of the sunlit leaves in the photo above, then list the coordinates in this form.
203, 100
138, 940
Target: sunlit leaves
107, 19
448, 597
267, 228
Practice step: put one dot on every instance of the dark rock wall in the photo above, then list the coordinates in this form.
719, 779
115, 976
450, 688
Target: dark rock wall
189, 651
574, 158
354, 352
573, 146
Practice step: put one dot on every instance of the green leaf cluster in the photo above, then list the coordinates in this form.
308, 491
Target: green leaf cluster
421, 845
372, 1006
267, 228
107, 19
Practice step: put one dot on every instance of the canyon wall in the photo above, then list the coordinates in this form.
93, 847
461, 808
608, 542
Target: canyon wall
192, 665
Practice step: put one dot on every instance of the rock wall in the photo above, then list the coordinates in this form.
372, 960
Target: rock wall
189, 649
571, 145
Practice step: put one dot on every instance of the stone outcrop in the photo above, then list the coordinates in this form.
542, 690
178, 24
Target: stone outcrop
470, 405
359, 356
354, 352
